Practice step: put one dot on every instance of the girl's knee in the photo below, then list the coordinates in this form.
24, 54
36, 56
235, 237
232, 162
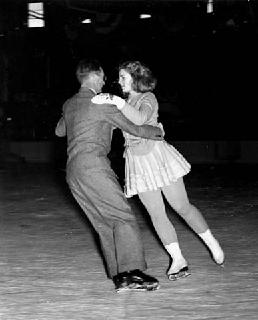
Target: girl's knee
183, 209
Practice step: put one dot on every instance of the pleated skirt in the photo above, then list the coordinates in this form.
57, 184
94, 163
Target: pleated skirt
156, 169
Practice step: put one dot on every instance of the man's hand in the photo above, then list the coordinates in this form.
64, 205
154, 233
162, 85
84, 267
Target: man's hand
162, 129
160, 134
60, 130
104, 98
157, 133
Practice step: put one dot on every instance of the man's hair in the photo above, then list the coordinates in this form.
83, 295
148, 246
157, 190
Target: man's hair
85, 67
143, 79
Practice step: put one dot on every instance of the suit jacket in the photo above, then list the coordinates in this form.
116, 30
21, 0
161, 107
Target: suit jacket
89, 128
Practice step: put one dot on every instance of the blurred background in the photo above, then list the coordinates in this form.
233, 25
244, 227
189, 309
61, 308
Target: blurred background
203, 53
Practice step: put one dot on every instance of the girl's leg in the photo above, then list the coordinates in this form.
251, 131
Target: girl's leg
154, 204
177, 197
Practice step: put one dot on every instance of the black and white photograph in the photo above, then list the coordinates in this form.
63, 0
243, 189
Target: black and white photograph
128, 159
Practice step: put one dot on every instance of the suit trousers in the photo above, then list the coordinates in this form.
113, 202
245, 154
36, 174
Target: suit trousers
101, 198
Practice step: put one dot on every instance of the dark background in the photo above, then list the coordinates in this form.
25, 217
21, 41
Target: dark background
206, 64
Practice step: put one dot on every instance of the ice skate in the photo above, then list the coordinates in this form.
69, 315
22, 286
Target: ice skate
178, 270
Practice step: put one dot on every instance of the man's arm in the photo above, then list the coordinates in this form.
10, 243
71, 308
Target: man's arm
60, 130
117, 119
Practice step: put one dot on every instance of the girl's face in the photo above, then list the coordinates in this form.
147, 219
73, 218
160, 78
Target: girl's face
125, 81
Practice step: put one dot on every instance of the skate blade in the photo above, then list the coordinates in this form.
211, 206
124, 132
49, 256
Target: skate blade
138, 288
182, 273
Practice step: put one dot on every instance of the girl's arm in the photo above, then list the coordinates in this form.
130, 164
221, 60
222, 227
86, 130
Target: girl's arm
138, 117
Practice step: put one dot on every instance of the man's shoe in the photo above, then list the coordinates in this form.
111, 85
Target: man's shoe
122, 281
143, 282
135, 280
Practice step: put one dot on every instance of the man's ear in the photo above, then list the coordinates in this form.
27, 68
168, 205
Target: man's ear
89, 79
93, 77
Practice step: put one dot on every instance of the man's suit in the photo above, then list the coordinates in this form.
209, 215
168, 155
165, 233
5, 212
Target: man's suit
93, 183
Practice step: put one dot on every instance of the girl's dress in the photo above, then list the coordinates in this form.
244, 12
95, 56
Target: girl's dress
149, 164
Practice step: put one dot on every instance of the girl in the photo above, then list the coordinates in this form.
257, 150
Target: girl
153, 168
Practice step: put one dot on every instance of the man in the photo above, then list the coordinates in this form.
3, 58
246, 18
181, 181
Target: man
93, 183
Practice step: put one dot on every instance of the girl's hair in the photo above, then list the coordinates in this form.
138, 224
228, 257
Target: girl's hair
143, 79
85, 67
